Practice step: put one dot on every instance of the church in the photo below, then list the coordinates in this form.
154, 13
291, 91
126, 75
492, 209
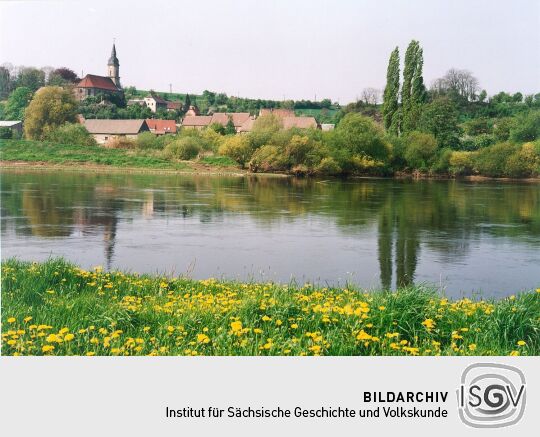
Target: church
92, 85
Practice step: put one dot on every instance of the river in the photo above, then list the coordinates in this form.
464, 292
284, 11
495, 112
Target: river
464, 238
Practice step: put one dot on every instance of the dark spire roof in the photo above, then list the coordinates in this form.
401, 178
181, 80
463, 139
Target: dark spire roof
113, 60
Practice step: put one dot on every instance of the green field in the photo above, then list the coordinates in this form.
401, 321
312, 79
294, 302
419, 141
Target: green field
56, 308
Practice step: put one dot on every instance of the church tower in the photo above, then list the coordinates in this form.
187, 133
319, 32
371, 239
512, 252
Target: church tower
114, 68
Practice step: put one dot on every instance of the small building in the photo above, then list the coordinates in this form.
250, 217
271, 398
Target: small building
196, 121
16, 126
105, 130
155, 102
327, 126
299, 122
139, 102
161, 127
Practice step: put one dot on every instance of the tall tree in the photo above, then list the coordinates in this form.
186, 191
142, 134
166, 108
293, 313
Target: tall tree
51, 107
413, 92
391, 93
17, 103
187, 103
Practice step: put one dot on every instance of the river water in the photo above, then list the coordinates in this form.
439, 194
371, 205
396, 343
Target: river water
464, 238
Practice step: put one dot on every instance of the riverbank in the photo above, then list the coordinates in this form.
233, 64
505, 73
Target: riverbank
56, 308
24, 155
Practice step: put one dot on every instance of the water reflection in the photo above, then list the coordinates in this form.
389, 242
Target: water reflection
398, 224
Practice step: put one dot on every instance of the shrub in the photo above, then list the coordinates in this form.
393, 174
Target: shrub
526, 127
71, 133
328, 166
184, 148
120, 143
461, 163
361, 136
420, 150
148, 140
477, 126
236, 147
502, 127
442, 163
491, 161
524, 163
268, 158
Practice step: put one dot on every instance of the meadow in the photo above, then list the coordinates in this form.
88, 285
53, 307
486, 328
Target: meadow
57, 308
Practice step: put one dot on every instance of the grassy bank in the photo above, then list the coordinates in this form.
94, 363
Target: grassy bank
61, 155
57, 308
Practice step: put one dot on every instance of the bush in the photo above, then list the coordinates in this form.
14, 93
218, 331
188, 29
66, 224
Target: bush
442, 164
526, 127
236, 147
6, 133
328, 166
148, 140
359, 135
502, 127
524, 163
421, 150
184, 148
267, 159
491, 161
71, 133
461, 163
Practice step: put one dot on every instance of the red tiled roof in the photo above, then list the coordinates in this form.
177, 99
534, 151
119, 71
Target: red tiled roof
299, 122
161, 126
278, 112
100, 82
197, 120
238, 118
174, 105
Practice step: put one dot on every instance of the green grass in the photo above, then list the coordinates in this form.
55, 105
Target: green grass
35, 151
219, 161
58, 308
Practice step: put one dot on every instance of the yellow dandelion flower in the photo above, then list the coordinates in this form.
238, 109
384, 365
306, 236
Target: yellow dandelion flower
47, 348
236, 326
69, 337
27, 319
472, 347
521, 343
203, 338
11, 320
514, 353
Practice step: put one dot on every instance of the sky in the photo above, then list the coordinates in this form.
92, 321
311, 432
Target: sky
280, 49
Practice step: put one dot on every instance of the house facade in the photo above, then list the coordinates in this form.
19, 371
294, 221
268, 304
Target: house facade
155, 102
105, 130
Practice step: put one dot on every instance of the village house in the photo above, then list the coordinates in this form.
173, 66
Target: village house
161, 127
105, 130
155, 102
196, 121
93, 85
238, 119
16, 127
299, 122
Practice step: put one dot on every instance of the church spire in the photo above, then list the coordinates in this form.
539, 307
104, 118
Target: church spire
113, 60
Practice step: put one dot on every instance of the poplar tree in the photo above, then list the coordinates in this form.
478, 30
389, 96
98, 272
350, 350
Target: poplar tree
391, 94
413, 92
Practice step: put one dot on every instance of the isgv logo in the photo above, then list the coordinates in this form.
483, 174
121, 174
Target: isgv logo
491, 395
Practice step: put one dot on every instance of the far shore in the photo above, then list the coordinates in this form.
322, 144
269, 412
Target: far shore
202, 169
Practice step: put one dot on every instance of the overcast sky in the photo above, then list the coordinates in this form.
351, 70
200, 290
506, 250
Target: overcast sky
274, 49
